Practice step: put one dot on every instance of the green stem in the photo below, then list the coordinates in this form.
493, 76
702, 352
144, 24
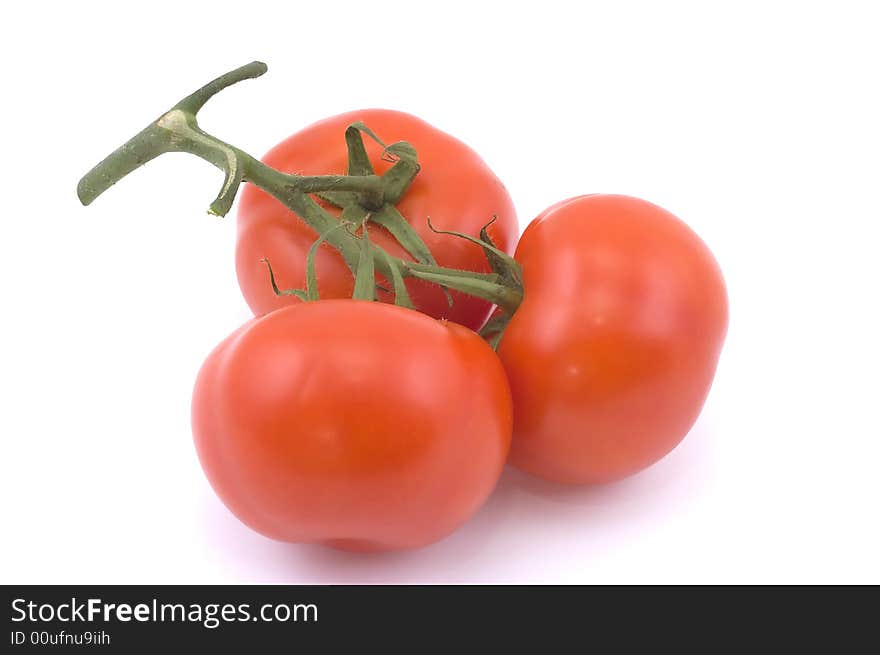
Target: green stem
415, 268
178, 131
498, 294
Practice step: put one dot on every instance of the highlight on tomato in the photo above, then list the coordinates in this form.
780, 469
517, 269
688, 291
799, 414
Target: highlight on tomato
611, 354
357, 425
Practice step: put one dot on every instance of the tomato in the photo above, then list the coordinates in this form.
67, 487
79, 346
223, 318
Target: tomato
358, 425
454, 188
612, 352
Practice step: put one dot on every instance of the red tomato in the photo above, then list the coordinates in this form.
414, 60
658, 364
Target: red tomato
613, 350
358, 425
454, 188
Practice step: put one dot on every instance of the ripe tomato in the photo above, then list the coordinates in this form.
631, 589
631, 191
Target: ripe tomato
454, 188
612, 352
359, 425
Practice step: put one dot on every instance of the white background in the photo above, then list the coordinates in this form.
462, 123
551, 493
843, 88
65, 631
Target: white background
757, 123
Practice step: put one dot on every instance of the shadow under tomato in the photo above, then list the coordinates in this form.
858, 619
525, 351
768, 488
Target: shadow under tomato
684, 465
526, 527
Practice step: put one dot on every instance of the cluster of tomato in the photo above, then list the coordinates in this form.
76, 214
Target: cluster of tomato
368, 426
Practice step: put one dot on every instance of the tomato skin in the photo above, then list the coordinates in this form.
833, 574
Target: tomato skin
358, 425
612, 352
454, 188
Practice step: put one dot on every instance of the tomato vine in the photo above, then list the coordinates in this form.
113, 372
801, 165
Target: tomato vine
364, 197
